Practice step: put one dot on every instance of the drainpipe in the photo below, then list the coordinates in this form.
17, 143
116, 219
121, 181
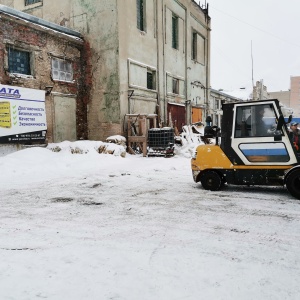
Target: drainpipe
157, 64
163, 22
188, 102
207, 62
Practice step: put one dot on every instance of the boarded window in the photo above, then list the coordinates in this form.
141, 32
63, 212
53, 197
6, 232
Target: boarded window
197, 114
18, 61
62, 70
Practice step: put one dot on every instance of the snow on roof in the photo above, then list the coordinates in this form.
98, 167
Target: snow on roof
244, 94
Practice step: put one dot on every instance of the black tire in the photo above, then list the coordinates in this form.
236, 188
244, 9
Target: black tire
211, 180
293, 183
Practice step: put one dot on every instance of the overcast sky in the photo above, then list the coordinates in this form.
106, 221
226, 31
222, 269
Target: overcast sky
273, 29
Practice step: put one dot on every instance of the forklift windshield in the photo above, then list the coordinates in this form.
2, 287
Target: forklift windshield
255, 121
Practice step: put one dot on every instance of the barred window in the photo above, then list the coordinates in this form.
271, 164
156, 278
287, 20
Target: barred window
62, 70
28, 2
18, 61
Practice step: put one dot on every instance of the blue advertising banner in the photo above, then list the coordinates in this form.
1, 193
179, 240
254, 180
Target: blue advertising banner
22, 115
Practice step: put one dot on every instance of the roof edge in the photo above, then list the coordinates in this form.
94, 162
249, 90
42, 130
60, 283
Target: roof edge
39, 21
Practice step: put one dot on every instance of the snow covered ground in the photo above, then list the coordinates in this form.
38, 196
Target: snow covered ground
100, 226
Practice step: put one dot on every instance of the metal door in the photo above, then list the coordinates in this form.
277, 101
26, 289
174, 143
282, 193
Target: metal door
64, 119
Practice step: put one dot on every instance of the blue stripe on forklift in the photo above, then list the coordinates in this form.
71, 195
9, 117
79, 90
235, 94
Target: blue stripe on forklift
264, 152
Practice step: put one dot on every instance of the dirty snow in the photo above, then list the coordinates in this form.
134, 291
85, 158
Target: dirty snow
100, 226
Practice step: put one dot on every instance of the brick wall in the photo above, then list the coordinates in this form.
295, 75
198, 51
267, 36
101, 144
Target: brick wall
43, 44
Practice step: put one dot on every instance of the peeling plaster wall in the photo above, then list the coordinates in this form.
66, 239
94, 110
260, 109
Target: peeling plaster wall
138, 52
101, 29
43, 44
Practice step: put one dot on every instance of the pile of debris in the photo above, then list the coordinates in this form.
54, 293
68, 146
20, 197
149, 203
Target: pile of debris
190, 137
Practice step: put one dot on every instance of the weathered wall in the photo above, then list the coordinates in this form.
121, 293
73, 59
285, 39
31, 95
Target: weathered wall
121, 54
152, 49
98, 21
43, 44
138, 53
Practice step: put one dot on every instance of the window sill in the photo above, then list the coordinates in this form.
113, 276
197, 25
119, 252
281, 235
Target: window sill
170, 94
143, 33
197, 62
142, 88
32, 6
19, 75
64, 81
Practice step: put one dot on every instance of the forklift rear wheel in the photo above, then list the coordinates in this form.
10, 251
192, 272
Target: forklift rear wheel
293, 183
211, 180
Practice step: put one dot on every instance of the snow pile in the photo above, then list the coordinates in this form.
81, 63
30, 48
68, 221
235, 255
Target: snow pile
189, 139
84, 147
117, 139
185, 144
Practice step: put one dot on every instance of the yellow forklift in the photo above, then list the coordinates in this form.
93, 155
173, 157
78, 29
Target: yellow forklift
252, 147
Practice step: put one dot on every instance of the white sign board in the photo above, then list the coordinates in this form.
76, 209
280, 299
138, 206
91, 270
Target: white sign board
22, 115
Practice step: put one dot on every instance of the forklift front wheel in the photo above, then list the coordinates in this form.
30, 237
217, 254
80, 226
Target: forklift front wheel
293, 183
211, 180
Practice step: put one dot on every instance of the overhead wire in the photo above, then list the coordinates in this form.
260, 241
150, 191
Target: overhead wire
230, 61
255, 27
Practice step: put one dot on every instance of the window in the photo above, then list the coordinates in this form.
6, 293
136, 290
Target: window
28, 2
151, 80
194, 45
217, 104
140, 9
175, 32
175, 86
62, 70
18, 61
255, 121
198, 48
